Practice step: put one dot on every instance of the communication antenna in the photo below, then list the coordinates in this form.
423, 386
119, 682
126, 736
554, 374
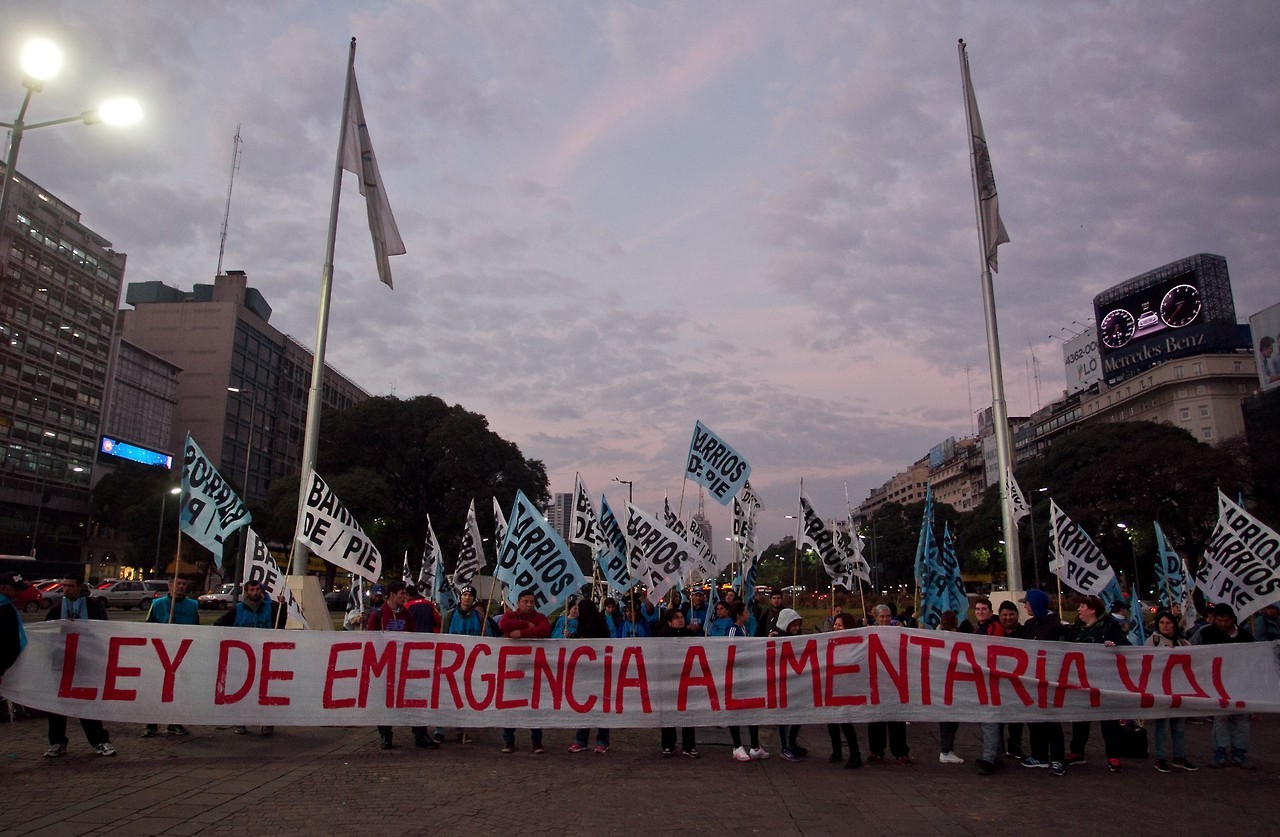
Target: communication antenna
226, 214
973, 422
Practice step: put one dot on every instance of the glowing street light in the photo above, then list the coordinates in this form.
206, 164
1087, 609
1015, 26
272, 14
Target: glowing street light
40, 60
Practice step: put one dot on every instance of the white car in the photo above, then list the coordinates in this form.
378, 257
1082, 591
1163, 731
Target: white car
221, 597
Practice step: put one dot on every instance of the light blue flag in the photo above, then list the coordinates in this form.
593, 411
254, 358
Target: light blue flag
716, 465
1171, 579
925, 544
612, 555
534, 557
210, 509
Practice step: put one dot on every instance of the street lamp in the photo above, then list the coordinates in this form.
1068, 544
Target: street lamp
630, 487
164, 500
248, 451
41, 59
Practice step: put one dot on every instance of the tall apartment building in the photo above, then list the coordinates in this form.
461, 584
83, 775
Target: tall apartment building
59, 287
220, 336
560, 514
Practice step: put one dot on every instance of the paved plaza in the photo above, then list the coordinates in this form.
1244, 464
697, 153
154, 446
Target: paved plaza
325, 780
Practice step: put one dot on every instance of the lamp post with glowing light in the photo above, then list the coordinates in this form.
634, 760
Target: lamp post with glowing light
41, 59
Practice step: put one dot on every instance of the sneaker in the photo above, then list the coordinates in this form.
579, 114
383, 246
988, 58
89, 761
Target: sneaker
854, 762
240, 730
758, 754
1015, 753
575, 747
1218, 762
693, 754
802, 752
55, 750
949, 758
904, 761
836, 757
268, 731
1057, 768
791, 755
438, 736
985, 768
1163, 766
740, 754
667, 752
178, 729
384, 742
1075, 759
150, 732
1032, 761
508, 748
105, 749
1183, 764
600, 750
1115, 765
1244, 764
538, 750
875, 758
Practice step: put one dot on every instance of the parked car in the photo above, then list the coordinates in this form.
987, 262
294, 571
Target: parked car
52, 592
127, 594
29, 600
220, 598
337, 599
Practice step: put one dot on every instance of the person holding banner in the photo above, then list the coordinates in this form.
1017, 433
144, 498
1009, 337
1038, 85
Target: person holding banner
525, 622
894, 731
1096, 627
12, 637
738, 611
844, 622
633, 624
696, 611
1230, 732
393, 615
77, 604
588, 624
254, 610
1046, 742
789, 623
566, 624
675, 626
1167, 633
173, 609
720, 622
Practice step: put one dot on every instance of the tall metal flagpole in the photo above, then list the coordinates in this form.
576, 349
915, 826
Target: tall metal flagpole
999, 408
311, 436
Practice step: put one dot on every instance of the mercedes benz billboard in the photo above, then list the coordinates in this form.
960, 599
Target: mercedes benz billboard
1182, 308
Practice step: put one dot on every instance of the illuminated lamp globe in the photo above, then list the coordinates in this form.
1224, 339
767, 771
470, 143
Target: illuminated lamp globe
120, 111
41, 58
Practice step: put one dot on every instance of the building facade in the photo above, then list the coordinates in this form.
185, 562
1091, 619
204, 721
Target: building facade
59, 288
242, 392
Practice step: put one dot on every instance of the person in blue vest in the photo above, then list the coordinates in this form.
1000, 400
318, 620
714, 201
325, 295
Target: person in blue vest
77, 604
633, 624
173, 609
254, 610
465, 620
696, 612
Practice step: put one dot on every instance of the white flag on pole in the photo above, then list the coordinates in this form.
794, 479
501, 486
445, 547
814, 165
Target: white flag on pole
1021, 508
993, 231
1077, 559
262, 568
331, 532
661, 557
358, 158
1241, 564
470, 554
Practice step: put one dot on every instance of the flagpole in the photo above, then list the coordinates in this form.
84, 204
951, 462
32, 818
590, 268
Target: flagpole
795, 555
311, 435
999, 408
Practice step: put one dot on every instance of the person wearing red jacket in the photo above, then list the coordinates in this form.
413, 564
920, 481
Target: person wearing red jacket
525, 622
393, 615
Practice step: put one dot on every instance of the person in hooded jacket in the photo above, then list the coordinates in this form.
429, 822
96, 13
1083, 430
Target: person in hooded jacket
789, 623
1046, 742
1167, 633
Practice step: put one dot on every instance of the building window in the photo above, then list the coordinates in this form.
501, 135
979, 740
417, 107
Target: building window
1237, 366
1197, 368
1184, 413
1204, 411
1182, 392
1201, 389
1177, 372
1206, 433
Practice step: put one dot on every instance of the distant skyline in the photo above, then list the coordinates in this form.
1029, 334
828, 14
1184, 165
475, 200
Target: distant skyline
622, 218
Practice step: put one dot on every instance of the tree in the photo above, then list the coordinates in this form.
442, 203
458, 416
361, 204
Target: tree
128, 500
392, 462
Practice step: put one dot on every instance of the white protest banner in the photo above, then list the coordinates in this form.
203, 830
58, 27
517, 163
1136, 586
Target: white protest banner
499, 522
584, 529
470, 554
814, 534
259, 566
660, 555
210, 509
534, 557
851, 544
1241, 564
1021, 508
1078, 561
716, 465
432, 562
331, 532
612, 558
749, 497
190, 674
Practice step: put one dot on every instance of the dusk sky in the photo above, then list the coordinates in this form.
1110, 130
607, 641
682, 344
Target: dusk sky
624, 217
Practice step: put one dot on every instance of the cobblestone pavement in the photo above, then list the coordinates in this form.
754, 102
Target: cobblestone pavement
316, 780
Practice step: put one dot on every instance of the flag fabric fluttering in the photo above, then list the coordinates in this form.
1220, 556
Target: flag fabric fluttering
1239, 566
431, 563
612, 557
470, 554
993, 231
584, 529
405, 575
358, 158
1173, 582
209, 510
815, 535
499, 522
354, 621
926, 544
1021, 508
1079, 562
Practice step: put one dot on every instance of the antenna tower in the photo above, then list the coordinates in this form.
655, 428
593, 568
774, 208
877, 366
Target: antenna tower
226, 214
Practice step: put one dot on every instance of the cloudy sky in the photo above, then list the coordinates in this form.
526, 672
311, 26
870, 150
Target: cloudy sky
622, 217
